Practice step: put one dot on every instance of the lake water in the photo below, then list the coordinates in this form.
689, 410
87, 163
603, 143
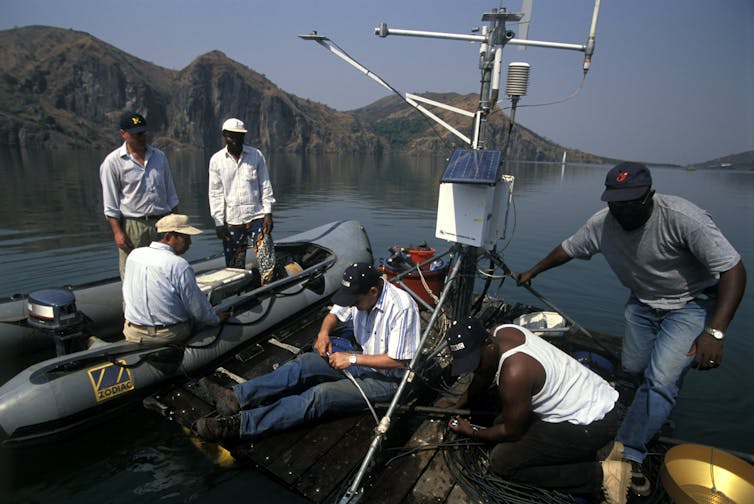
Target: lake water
52, 233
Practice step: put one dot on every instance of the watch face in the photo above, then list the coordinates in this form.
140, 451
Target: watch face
714, 333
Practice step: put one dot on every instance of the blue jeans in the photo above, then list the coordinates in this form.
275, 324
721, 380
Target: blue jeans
654, 350
236, 241
305, 389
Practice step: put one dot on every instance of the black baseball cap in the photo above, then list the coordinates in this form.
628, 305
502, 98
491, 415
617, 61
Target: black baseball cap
465, 338
358, 278
133, 123
627, 181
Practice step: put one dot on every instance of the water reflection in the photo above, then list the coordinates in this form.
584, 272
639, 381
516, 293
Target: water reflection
52, 232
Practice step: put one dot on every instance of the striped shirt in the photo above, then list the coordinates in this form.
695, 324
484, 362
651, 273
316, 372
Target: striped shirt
239, 191
392, 327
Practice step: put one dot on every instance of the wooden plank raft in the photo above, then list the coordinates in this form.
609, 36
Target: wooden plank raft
319, 461
316, 461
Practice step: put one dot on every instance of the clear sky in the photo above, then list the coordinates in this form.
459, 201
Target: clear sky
672, 81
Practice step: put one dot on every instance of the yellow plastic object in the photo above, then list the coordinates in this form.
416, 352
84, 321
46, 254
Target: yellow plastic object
704, 474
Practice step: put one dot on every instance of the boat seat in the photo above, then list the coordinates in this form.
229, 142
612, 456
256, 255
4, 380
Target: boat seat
224, 282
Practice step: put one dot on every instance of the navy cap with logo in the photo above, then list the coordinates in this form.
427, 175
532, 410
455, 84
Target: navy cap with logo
627, 181
465, 338
133, 123
358, 278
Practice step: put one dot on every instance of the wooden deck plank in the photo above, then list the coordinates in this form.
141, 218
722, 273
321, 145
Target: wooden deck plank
317, 443
266, 451
399, 477
436, 482
183, 406
324, 480
458, 496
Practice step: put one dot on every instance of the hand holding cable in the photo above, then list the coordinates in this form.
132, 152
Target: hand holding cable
463, 426
340, 360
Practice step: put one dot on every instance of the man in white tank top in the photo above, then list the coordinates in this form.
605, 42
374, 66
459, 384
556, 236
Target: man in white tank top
555, 413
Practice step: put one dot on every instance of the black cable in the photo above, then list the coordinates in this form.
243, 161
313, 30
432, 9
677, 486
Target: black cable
469, 463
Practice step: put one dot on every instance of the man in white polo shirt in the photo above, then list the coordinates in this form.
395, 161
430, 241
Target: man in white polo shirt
161, 297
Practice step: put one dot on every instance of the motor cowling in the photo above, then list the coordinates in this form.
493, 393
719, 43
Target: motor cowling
54, 312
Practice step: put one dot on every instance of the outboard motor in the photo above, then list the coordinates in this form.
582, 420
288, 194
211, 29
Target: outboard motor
54, 313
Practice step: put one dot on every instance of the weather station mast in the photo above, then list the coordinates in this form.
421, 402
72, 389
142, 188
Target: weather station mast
475, 194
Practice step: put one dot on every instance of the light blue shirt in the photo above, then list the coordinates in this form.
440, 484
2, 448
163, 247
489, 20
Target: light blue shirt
239, 191
132, 190
159, 288
392, 327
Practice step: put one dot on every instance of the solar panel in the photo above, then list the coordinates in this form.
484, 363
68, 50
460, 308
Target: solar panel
468, 166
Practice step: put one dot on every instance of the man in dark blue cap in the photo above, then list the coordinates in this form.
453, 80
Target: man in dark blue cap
137, 188
386, 329
555, 413
685, 280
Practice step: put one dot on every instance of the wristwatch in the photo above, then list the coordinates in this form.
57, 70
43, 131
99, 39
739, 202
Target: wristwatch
714, 333
352, 358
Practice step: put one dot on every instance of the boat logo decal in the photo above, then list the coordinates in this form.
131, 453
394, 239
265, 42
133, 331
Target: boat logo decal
110, 380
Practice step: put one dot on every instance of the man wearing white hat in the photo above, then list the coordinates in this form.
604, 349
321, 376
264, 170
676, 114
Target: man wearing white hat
240, 200
162, 300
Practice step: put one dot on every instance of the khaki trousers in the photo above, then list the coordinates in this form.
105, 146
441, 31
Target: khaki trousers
159, 335
141, 232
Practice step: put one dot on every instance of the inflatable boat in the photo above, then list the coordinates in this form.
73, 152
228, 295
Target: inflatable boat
62, 395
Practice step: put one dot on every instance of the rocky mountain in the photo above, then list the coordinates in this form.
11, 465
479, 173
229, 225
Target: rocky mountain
66, 89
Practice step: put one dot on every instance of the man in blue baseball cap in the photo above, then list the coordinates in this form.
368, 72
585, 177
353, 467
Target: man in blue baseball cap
685, 281
555, 413
137, 188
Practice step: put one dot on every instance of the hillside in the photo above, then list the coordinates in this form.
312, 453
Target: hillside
407, 130
65, 89
740, 161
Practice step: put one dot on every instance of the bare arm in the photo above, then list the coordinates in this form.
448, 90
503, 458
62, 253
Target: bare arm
340, 360
708, 351
121, 239
322, 343
480, 382
522, 376
555, 258
267, 224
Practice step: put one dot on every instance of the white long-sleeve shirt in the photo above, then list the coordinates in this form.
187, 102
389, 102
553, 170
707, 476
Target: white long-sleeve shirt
132, 190
159, 288
239, 191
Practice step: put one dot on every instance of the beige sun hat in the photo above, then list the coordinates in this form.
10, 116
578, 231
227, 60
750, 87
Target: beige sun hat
176, 223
